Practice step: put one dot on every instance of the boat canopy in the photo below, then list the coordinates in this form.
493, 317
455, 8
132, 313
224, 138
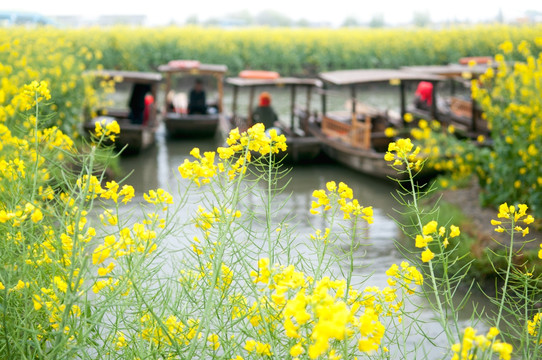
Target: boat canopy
201, 69
449, 71
364, 76
129, 76
245, 82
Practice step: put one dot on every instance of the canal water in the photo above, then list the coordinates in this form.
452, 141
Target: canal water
157, 168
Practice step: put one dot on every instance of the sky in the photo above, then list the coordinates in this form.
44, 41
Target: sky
394, 11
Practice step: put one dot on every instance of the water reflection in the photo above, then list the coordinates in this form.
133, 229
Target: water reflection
158, 168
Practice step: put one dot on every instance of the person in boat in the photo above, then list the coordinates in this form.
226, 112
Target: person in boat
196, 102
170, 97
424, 96
264, 113
137, 103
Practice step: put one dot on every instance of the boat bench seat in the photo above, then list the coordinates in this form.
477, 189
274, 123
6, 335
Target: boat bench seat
116, 113
357, 134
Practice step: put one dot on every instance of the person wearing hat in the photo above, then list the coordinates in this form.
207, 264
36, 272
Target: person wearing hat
424, 96
196, 102
264, 113
137, 103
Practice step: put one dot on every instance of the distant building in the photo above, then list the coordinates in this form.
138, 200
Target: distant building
231, 23
111, 20
534, 16
70, 21
19, 18
77, 21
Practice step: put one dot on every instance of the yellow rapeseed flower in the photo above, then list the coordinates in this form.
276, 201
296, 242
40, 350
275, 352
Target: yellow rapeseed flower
427, 255
430, 228
422, 241
454, 231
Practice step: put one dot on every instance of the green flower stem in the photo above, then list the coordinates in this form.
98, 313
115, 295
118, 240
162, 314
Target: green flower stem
509, 266
321, 250
442, 315
210, 303
270, 249
71, 293
525, 338
506, 278
36, 145
448, 293
351, 258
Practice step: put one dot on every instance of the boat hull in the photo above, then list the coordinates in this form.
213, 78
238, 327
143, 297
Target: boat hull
189, 126
366, 161
302, 149
132, 139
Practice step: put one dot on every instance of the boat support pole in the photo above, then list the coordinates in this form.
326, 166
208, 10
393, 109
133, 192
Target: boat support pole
308, 110
220, 88
324, 100
353, 95
234, 104
153, 116
474, 115
403, 100
292, 108
250, 105
434, 102
168, 89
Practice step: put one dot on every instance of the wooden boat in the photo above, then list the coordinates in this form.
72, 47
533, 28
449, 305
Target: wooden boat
356, 138
133, 137
302, 147
177, 121
463, 113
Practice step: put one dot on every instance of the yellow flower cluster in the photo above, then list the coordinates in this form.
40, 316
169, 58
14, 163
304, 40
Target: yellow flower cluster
35, 92
509, 96
213, 341
477, 346
20, 214
205, 220
406, 275
48, 252
259, 348
52, 138
137, 238
55, 58
240, 146
205, 273
106, 129
45, 232
512, 216
429, 233
401, 152
319, 315
280, 49
533, 326
120, 341
129, 240
169, 330
52, 299
159, 197
111, 191
444, 152
340, 195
